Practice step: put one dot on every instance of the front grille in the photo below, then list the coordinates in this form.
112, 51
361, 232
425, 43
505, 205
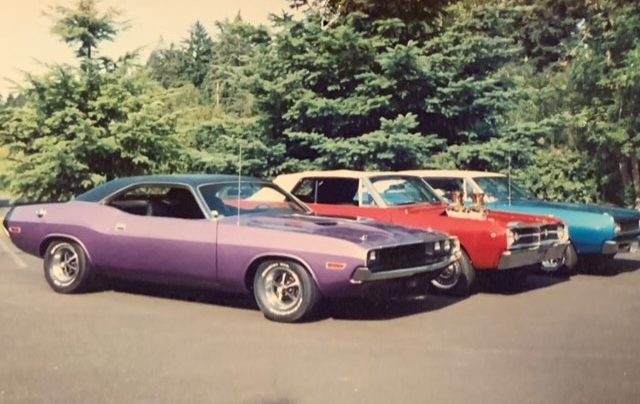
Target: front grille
406, 256
534, 236
629, 226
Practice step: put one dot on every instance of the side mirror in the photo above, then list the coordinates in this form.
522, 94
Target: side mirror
214, 214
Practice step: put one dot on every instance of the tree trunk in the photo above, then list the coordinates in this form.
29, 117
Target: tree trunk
635, 177
623, 167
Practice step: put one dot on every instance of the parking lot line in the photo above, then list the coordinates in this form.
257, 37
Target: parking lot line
9, 250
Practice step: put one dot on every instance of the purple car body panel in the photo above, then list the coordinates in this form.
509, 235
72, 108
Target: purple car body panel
216, 252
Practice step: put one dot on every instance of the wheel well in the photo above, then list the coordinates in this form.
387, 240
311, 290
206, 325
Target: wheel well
45, 243
253, 267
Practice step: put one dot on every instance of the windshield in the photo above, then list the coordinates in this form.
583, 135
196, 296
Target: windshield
497, 188
397, 191
251, 197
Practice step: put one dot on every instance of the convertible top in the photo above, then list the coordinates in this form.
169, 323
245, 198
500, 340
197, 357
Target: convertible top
192, 180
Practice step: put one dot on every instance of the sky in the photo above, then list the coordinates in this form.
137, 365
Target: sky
26, 44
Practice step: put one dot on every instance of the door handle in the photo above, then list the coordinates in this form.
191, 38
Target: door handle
121, 226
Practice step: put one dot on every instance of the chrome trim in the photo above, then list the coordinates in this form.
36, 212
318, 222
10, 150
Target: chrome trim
70, 237
628, 233
536, 234
363, 274
519, 258
610, 248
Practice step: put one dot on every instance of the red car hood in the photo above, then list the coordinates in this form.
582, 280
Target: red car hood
504, 218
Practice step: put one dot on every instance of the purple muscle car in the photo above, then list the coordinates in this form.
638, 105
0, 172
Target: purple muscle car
215, 231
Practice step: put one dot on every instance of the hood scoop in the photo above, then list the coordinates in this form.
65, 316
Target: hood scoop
326, 223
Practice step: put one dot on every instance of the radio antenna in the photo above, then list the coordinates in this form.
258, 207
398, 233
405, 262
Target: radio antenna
239, 185
509, 177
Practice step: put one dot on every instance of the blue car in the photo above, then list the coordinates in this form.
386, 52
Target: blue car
594, 230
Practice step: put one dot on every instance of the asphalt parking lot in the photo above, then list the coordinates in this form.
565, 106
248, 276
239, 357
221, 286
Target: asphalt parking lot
560, 341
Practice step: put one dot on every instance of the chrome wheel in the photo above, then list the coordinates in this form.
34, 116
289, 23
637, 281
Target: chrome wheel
283, 288
552, 265
449, 277
64, 265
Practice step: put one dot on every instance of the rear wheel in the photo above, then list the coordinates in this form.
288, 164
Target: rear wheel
457, 279
285, 291
66, 267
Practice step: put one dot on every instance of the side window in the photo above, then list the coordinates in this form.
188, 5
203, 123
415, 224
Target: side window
159, 201
330, 191
305, 190
337, 191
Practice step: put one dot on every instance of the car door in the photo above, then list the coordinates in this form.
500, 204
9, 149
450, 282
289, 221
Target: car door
170, 243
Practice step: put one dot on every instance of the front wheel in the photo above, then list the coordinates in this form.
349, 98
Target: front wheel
285, 291
66, 267
563, 266
458, 279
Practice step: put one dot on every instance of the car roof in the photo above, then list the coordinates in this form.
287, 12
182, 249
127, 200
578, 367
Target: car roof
194, 180
452, 173
288, 181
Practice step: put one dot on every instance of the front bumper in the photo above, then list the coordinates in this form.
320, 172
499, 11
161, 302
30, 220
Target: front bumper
528, 257
626, 245
364, 274
5, 223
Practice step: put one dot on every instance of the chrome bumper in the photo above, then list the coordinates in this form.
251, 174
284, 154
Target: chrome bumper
528, 257
364, 274
621, 246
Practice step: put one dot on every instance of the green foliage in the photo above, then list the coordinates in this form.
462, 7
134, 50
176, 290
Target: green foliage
408, 10
79, 127
64, 141
394, 147
84, 27
219, 143
548, 88
560, 174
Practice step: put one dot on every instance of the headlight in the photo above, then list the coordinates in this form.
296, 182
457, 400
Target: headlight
617, 228
455, 245
371, 258
446, 245
563, 233
437, 247
511, 238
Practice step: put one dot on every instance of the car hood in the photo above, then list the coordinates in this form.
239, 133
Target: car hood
365, 232
557, 208
501, 218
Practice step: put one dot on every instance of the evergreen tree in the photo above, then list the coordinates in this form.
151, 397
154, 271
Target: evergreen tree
79, 127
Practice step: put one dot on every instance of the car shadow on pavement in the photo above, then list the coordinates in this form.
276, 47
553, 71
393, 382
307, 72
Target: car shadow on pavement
534, 281
615, 267
183, 293
346, 309
361, 309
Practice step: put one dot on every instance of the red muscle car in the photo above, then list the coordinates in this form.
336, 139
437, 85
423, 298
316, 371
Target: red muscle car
508, 245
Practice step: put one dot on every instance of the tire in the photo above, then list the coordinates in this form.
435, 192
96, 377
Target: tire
568, 265
66, 267
285, 291
456, 280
